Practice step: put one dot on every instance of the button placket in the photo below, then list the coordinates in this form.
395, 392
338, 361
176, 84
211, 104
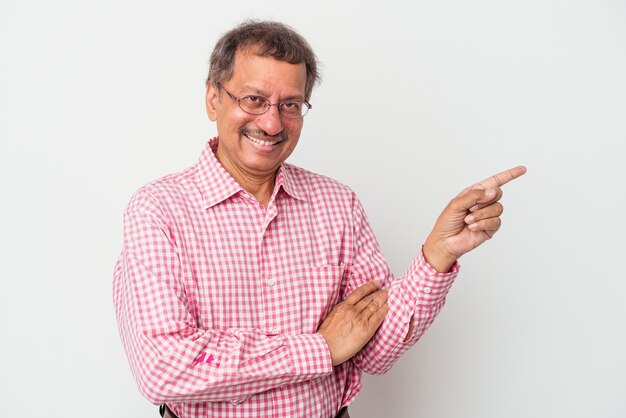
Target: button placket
268, 279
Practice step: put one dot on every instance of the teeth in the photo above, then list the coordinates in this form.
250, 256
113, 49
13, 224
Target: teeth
260, 141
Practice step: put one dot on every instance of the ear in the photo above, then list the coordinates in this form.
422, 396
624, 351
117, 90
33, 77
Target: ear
211, 99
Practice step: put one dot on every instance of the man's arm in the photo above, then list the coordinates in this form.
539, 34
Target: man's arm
171, 358
414, 299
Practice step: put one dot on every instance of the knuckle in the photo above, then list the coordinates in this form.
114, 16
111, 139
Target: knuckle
382, 297
458, 204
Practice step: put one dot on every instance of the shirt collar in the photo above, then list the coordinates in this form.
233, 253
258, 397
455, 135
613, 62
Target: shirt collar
218, 185
292, 184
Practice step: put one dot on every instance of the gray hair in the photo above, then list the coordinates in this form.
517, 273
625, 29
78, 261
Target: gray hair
265, 39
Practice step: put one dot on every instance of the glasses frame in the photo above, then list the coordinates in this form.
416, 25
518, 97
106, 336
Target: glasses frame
268, 104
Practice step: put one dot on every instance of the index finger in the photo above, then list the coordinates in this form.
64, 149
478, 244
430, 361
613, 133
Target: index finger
500, 179
362, 291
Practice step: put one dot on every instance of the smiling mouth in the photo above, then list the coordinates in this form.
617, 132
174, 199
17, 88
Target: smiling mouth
263, 142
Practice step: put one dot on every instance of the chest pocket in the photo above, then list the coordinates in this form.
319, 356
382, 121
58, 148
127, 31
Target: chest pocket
306, 295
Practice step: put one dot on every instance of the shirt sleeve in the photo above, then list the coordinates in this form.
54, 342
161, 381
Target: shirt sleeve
171, 358
415, 298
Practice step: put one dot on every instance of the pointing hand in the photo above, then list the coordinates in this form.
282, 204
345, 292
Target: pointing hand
470, 219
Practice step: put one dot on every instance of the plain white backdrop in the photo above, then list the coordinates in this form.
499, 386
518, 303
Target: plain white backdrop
419, 100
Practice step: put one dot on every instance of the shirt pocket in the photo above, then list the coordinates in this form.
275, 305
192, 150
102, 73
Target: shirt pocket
308, 295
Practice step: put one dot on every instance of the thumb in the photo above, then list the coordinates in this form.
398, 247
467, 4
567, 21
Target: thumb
473, 197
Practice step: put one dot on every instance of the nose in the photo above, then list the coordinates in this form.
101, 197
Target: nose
270, 121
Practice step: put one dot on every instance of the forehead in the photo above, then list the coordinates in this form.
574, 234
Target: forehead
267, 73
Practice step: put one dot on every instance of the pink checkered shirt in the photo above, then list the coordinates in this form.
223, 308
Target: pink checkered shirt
218, 299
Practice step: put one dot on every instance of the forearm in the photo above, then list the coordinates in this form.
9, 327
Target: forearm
190, 372
174, 361
414, 301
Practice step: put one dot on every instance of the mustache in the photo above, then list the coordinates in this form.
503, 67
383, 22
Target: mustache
259, 132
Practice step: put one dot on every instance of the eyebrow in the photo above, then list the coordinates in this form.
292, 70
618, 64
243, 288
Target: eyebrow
265, 93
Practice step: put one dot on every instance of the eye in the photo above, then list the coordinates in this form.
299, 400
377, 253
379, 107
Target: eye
291, 107
253, 101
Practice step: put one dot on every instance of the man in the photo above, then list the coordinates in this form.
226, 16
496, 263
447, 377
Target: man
249, 287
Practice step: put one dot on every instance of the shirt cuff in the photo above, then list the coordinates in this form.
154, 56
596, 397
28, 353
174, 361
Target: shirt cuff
309, 354
427, 285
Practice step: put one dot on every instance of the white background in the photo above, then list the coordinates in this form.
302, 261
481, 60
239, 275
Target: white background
419, 99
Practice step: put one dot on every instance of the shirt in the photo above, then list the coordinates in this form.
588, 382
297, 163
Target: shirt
218, 298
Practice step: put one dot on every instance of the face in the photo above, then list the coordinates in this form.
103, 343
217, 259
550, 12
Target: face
252, 147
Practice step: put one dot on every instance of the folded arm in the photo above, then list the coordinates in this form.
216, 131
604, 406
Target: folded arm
172, 359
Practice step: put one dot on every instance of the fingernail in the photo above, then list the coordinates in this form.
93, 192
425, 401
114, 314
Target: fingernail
490, 192
469, 219
472, 226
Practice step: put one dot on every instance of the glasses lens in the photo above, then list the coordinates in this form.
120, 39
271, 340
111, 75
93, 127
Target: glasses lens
254, 104
294, 110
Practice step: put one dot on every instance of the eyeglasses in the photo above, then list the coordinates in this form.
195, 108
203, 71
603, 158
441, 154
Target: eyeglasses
257, 105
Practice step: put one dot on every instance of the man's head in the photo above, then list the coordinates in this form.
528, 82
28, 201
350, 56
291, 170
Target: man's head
260, 78
264, 39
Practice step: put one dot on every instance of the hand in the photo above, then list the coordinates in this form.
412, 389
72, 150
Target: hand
470, 219
353, 322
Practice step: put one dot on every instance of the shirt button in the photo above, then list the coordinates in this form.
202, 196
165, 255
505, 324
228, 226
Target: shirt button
426, 290
274, 330
271, 281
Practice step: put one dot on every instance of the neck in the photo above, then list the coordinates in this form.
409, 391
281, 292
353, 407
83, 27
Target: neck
259, 185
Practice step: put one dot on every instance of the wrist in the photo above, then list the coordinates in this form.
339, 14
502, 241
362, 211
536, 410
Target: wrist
438, 256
